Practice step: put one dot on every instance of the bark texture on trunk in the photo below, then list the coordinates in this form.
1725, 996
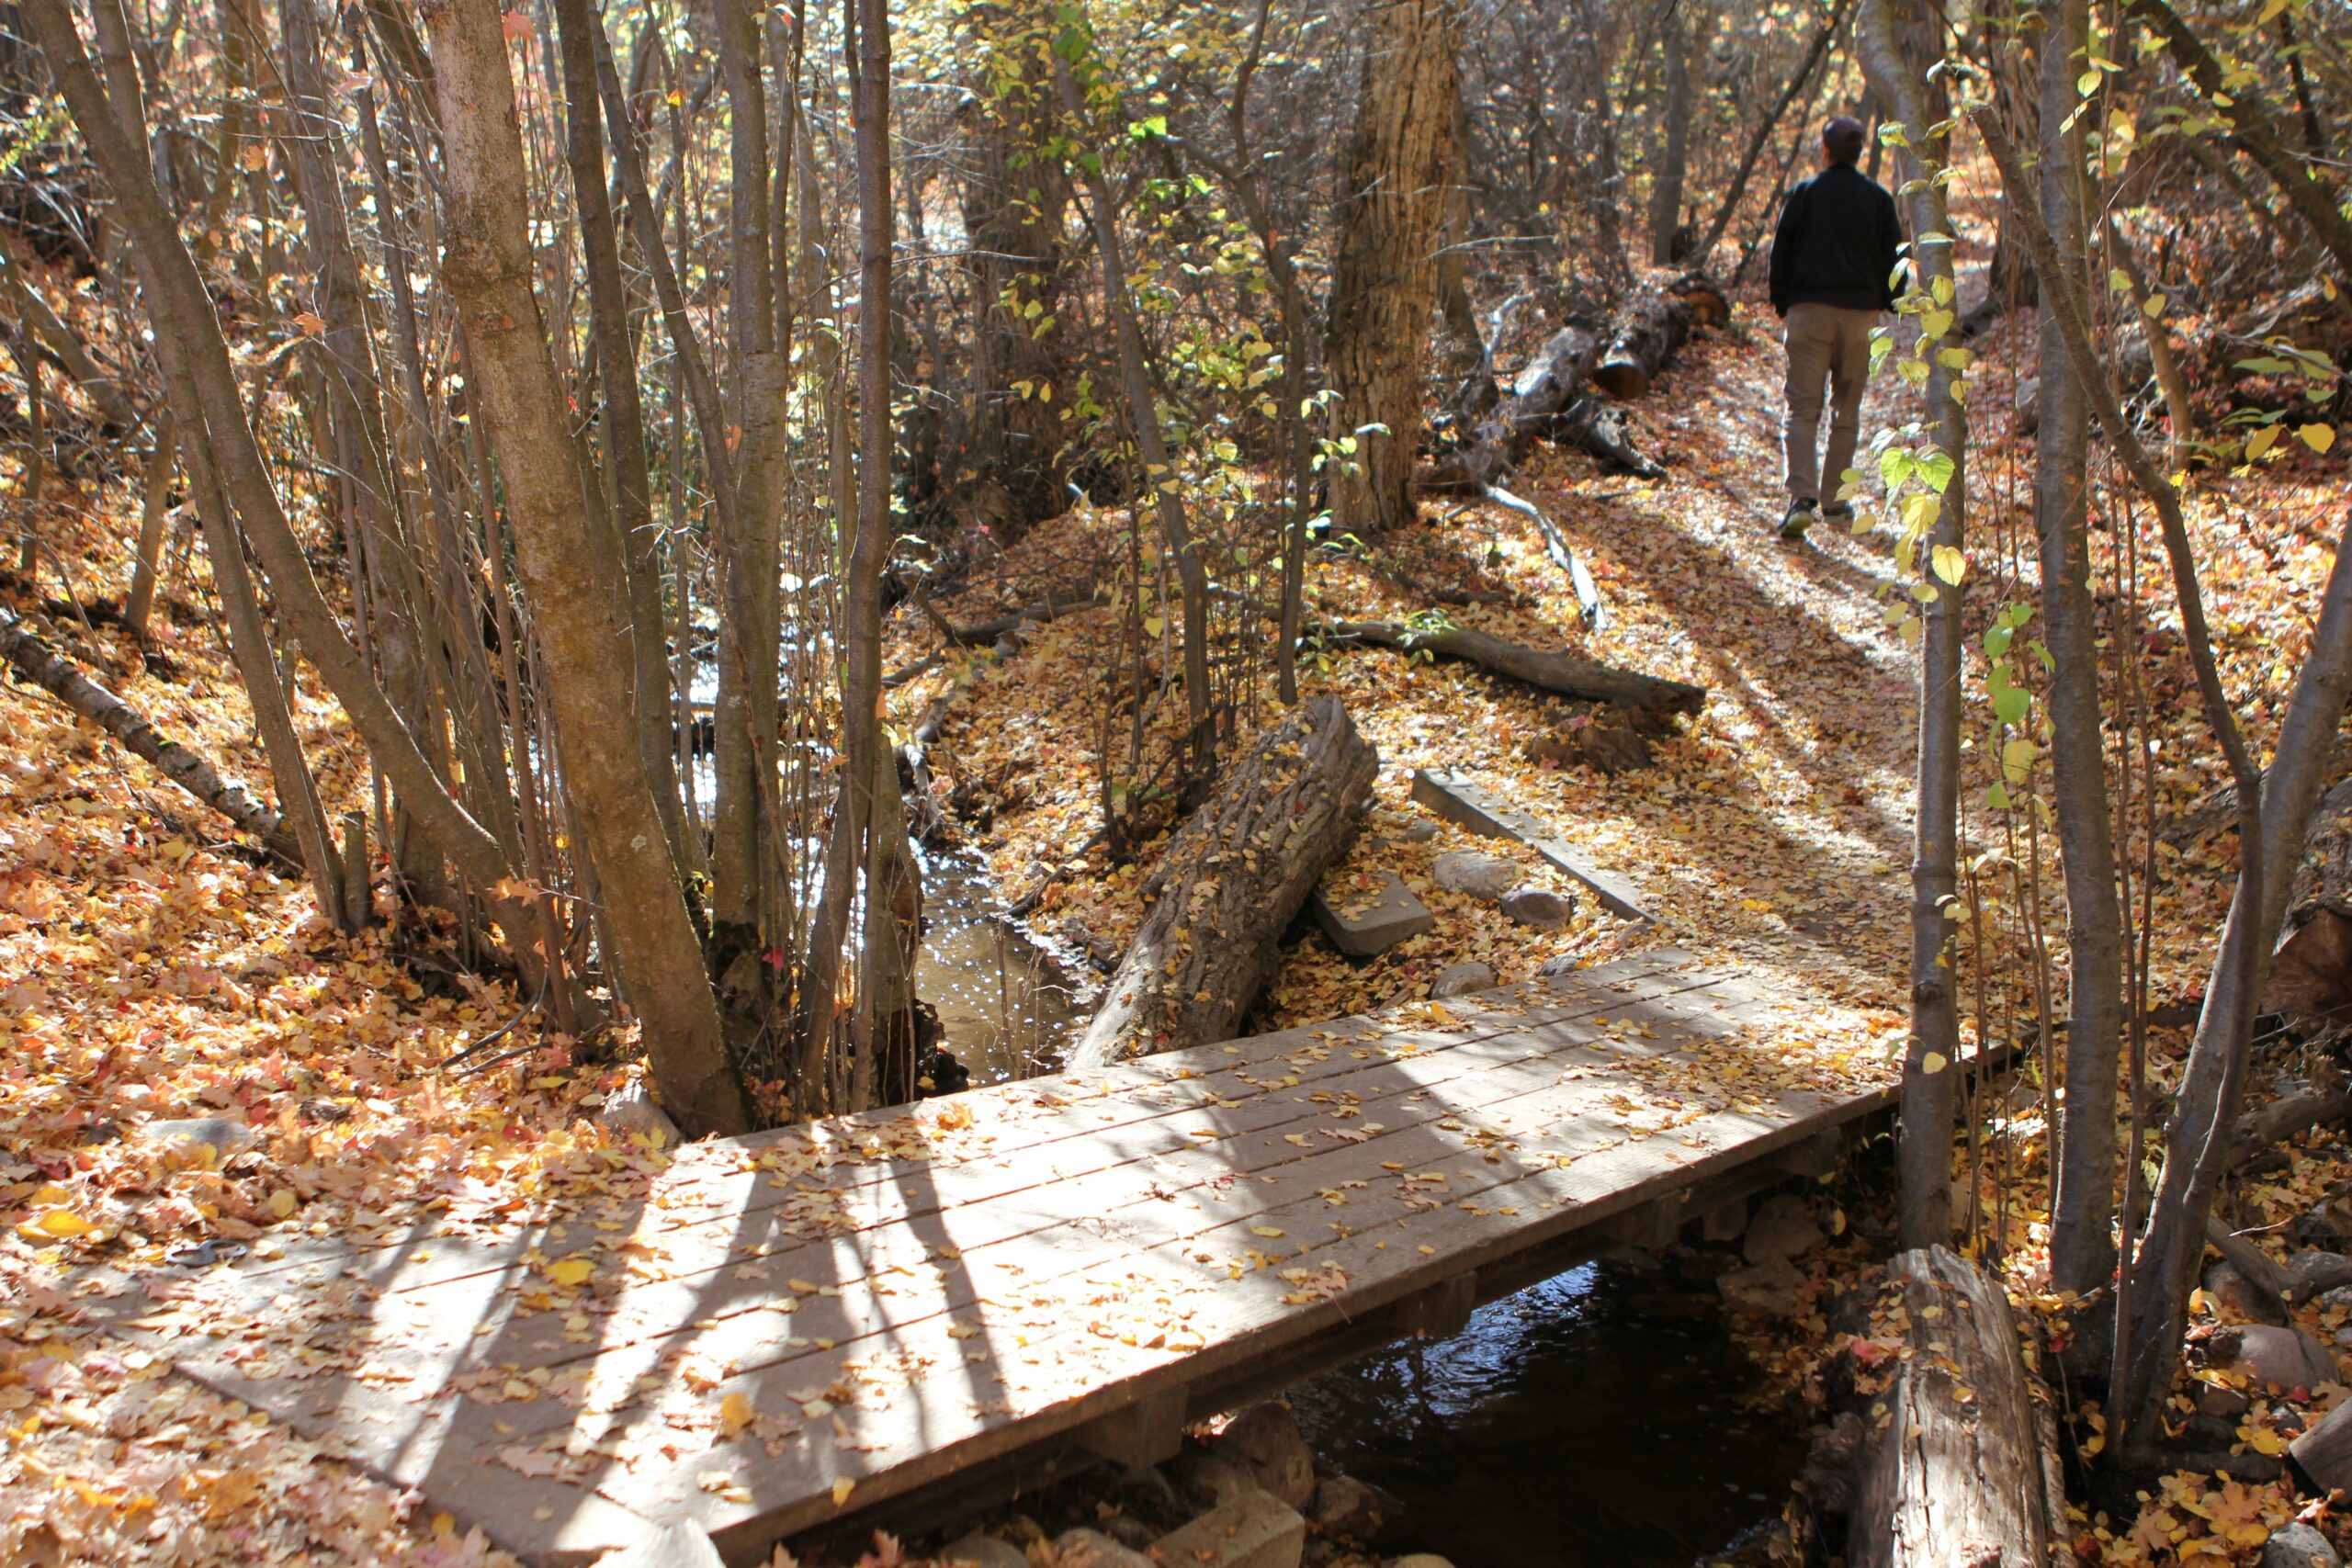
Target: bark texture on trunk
1392, 212
1960, 1474
1233, 877
1930, 1076
2082, 1247
573, 570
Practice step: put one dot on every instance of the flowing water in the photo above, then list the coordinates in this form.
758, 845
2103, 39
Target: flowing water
1595, 1418
1007, 1003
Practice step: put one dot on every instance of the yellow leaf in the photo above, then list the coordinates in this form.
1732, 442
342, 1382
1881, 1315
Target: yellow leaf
570, 1270
734, 1413
2318, 437
63, 1223
1933, 1063
1948, 563
1154, 624
1264, 1230
282, 1202
2261, 441
842, 1489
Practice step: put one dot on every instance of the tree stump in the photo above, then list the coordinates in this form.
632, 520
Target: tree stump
1235, 875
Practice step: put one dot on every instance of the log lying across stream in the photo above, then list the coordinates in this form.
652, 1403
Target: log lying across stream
1962, 1468
1233, 877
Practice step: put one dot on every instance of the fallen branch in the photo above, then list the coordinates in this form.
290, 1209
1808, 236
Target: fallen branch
1561, 673
62, 679
983, 633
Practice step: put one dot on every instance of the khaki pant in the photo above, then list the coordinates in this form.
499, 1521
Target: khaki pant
1824, 343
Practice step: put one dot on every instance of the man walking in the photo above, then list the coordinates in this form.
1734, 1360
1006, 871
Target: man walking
1833, 272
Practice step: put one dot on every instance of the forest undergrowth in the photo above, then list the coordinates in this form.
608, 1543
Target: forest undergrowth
151, 971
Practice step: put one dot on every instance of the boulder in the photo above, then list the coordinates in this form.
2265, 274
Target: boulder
2240, 1297
1473, 872
1356, 1510
1251, 1529
2271, 1356
976, 1551
630, 1112
1538, 907
1559, 964
1092, 1548
2298, 1545
1264, 1440
1457, 978
1783, 1227
222, 1136
1771, 1288
1206, 1478
2313, 1274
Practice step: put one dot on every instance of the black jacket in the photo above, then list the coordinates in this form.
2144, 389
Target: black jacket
1836, 243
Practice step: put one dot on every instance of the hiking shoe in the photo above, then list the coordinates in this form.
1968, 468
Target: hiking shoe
1837, 512
1800, 517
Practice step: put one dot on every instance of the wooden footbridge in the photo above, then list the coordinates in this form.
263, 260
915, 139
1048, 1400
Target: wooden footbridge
899, 1309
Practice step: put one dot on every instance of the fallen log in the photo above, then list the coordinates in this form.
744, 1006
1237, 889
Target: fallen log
1646, 329
1232, 879
1959, 1472
62, 679
1561, 673
981, 633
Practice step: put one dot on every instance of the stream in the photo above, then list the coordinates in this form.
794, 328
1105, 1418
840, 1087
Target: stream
1597, 1417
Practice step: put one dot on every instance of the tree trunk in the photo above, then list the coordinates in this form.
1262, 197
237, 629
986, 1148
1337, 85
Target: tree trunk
1930, 1076
2272, 812
854, 815
208, 399
2082, 1249
1958, 1474
2315, 200
1231, 880
571, 567
1682, 47
1391, 211
1007, 462
622, 421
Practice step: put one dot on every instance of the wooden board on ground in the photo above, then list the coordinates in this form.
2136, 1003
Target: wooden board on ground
785, 1329
1461, 799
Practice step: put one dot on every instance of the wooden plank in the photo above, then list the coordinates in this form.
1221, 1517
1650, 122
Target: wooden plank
1066, 1267
1459, 798
741, 1173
